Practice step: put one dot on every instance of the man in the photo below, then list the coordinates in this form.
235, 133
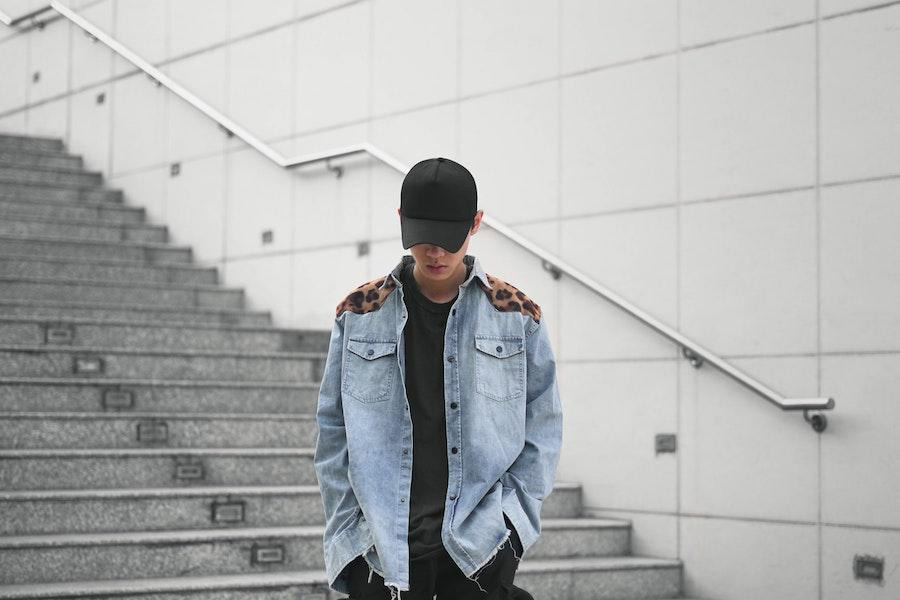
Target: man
439, 416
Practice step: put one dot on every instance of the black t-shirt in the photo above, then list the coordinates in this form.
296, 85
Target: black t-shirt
423, 337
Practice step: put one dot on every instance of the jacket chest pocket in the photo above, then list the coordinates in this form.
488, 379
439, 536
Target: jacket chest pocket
369, 367
500, 366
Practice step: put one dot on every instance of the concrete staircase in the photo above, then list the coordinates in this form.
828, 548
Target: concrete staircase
156, 438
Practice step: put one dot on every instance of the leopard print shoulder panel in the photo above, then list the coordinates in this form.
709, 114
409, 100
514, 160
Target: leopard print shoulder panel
367, 297
508, 298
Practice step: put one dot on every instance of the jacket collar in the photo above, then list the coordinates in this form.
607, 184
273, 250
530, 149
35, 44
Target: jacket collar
468, 259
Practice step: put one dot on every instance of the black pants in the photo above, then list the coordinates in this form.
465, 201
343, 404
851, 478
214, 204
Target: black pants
439, 575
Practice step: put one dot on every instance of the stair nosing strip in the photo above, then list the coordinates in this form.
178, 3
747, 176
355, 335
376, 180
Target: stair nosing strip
100, 186
20, 453
283, 354
119, 538
85, 222
131, 307
158, 415
108, 283
81, 241
51, 153
106, 261
46, 169
158, 324
121, 206
83, 589
39, 138
163, 492
124, 382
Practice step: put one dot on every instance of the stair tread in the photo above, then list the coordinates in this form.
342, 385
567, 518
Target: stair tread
137, 307
99, 186
158, 324
224, 353
164, 585
75, 240
30, 138
84, 203
172, 416
288, 578
134, 452
124, 381
162, 492
85, 222
48, 169
204, 535
119, 262
156, 537
204, 287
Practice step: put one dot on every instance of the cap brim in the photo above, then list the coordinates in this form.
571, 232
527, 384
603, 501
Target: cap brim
449, 235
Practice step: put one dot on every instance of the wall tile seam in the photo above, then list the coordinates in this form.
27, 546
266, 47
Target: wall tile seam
720, 517
568, 216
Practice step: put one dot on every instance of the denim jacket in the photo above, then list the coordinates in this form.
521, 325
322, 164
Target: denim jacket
504, 427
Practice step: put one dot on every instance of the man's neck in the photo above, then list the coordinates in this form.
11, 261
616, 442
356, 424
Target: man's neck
442, 291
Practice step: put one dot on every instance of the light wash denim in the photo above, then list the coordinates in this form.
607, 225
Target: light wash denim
503, 436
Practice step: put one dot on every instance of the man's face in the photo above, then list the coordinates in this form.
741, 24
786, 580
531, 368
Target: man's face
434, 262
449, 264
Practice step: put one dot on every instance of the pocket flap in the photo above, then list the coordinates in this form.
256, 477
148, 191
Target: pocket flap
501, 347
370, 350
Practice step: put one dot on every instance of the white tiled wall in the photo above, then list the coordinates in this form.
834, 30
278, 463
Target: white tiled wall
730, 167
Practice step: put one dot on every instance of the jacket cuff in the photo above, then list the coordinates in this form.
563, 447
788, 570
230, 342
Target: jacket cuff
513, 509
340, 552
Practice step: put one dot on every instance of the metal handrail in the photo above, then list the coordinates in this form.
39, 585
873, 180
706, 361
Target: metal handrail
694, 352
12, 22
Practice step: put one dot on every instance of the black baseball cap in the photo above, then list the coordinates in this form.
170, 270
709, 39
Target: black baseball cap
438, 202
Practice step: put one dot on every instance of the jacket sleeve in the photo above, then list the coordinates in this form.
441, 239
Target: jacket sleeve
531, 475
331, 457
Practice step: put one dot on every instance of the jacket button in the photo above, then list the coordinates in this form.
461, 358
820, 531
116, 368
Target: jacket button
450, 358
453, 312
453, 405
370, 352
406, 451
453, 496
454, 450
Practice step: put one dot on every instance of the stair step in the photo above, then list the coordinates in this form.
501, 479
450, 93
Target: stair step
149, 509
84, 333
58, 192
33, 512
99, 212
149, 253
154, 467
601, 578
49, 175
60, 310
27, 430
83, 230
98, 363
19, 266
122, 293
31, 143
28, 158
155, 553
80, 556
289, 585
126, 395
